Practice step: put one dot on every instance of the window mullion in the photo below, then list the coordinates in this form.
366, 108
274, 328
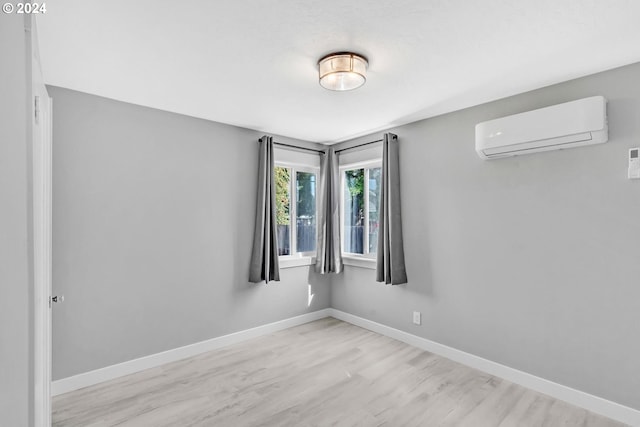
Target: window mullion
366, 212
293, 215
343, 183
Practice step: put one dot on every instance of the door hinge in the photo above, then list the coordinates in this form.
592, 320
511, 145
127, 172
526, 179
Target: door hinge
36, 106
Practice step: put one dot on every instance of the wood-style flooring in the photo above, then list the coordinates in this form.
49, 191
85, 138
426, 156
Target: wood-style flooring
323, 373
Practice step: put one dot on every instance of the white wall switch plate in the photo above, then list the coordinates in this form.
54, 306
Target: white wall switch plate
416, 318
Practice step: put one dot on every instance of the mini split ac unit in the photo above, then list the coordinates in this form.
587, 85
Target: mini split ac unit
568, 125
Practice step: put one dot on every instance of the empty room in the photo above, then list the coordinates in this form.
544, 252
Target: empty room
305, 213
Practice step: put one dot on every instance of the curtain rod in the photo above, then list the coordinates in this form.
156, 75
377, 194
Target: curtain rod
298, 147
359, 145
322, 151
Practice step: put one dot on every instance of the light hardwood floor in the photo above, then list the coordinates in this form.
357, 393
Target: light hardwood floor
323, 373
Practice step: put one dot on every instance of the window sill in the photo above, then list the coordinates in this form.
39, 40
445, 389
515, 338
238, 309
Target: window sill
357, 261
303, 261
291, 262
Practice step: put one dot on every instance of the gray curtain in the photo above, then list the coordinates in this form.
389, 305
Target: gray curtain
264, 256
390, 258
328, 257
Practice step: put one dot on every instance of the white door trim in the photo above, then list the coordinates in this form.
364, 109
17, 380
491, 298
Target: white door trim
41, 143
42, 230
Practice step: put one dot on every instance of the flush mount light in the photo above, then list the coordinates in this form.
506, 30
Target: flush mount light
342, 71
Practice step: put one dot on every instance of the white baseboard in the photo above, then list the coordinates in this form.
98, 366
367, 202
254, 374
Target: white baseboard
584, 400
86, 379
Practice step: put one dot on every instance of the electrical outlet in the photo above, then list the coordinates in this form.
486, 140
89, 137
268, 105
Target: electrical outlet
634, 163
416, 318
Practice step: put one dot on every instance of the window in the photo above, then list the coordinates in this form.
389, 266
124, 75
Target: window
360, 207
296, 204
305, 211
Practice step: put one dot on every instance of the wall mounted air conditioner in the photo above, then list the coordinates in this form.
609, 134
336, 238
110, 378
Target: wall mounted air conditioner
567, 125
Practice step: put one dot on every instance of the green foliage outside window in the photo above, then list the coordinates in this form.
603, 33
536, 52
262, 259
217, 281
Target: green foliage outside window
282, 177
355, 181
355, 185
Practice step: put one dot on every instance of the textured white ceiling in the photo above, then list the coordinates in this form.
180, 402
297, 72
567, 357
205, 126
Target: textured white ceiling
253, 63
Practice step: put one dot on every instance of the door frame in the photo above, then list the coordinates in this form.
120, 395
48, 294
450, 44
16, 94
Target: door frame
42, 231
42, 161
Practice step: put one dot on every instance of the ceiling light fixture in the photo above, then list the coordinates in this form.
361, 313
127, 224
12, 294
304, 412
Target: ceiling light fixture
342, 71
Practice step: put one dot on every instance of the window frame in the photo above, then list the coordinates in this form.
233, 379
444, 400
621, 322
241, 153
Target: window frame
291, 259
367, 256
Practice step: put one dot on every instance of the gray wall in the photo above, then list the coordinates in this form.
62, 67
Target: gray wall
533, 261
15, 281
153, 218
